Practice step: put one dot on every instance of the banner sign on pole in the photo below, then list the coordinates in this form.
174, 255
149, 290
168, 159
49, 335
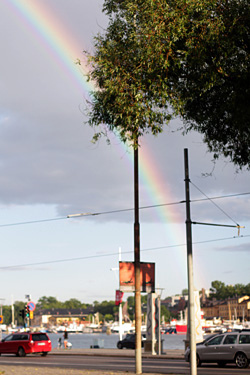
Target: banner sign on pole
118, 297
127, 277
198, 324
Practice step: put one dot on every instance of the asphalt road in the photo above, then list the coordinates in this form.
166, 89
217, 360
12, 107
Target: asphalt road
116, 364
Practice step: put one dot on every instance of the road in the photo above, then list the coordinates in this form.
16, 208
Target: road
116, 364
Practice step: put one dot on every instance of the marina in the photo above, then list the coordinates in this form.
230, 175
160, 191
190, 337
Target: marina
86, 340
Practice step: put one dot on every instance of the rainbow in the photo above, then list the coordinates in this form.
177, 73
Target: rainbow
63, 49
56, 40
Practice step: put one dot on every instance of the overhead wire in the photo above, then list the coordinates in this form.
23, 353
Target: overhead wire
122, 210
115, 253
216, 205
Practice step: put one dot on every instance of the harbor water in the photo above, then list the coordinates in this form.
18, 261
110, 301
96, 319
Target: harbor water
86, 340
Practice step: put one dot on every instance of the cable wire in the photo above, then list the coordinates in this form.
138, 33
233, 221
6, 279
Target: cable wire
123, 210
124, 252
219, 208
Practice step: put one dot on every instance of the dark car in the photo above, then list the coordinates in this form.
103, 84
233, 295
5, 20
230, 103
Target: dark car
129, 341
22, 343
224, 348
170, 331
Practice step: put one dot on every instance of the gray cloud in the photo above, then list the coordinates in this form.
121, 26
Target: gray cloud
236, 249
45, 148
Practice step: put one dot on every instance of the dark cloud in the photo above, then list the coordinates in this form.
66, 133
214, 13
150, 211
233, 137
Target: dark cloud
236, 249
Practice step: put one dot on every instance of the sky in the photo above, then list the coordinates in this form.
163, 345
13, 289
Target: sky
49, 169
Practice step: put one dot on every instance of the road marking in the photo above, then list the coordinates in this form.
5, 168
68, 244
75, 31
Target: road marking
60, 364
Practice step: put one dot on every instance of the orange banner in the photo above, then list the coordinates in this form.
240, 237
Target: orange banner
127, 277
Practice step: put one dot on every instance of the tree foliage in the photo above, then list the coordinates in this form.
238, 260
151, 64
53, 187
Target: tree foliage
162, 58
48, 303
52, 302
166, 313
105, 307
221, 291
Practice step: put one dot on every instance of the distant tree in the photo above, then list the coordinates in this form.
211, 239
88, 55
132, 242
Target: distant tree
131, 305
166, 313
7, 314
108, 317
48, 303
185, 292
18, 306
247, 290
72, 303
221, 291
240, 289
105, 307
218, 290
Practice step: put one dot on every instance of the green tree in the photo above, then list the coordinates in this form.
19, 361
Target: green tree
162, 58
72, 303
166, 313
18, 306
221, 291
48, 303
131, 305
125, 99
7, 314
105, 308
218, 290
240, 289
247, 290
108, 317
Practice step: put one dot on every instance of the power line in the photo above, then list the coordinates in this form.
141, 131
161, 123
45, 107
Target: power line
32, 222
216, 205
120, 210
124, 252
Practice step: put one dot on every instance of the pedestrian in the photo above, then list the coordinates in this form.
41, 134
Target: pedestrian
65, 335
59, 343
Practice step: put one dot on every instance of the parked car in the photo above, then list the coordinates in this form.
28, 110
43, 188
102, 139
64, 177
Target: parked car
129, 341
169, 331
224, 348
22, 343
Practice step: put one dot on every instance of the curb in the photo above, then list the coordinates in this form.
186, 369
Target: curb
169, 354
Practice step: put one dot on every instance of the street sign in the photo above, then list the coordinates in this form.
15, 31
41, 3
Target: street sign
31, 314
32, 306
1, 319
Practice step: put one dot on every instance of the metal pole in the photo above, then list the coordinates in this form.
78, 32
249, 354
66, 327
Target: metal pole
191, 315
159, 325
120, 305
138, 356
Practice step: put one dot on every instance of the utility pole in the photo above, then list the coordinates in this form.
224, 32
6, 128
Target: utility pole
191, 313
120, 304
138, 356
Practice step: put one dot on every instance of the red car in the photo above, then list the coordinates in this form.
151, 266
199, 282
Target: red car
22, 343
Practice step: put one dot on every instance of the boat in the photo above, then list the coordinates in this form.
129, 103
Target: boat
125, 327
179, 325
181, 328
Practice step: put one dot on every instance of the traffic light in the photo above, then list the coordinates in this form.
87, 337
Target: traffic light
22, 313
27, 311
